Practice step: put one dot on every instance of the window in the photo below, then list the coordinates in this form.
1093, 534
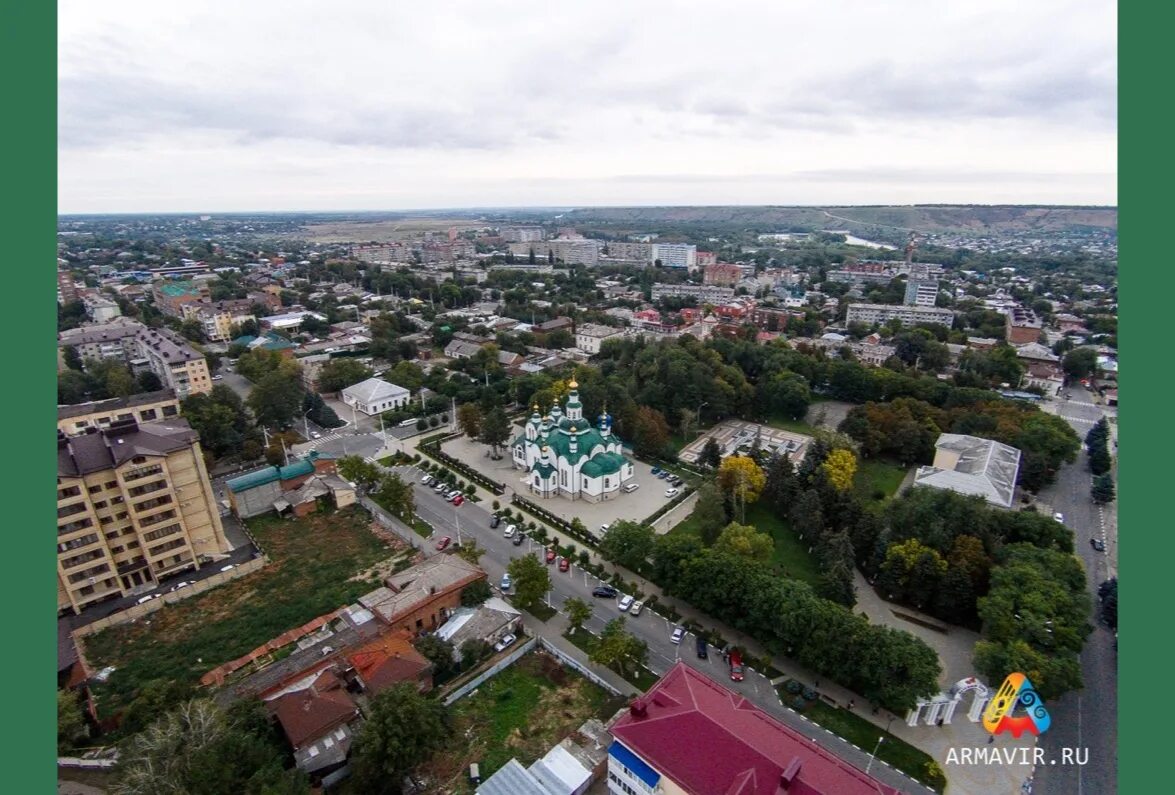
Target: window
419, 623
67, 492
148, 415
96, 489
100, 504
111, 484
170, 411
606, 482
536, 480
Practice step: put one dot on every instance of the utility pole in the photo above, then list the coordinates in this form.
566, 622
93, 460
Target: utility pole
873, 755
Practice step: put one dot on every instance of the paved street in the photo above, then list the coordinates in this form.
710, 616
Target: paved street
474, 519
1088, 718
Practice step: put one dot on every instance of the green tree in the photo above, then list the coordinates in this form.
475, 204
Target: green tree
396, 496
836, 584
652, 433
711, 454
744, 540
628, 544
338, 374
709, 512
495, 430
439, 652
71, 723
619, 649
578, 611
317, 410
403, 729
469, 419
1080, 362
360, 471
147, 381
1102, 491
807, 515
72, 358
475, 593
276, 399
406, 374
531, 581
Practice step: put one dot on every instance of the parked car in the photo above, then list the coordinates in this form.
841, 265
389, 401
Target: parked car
564, 564
1097, 544
604, 592
670, 492
518, 538
625, 603
636, 608
506, 584
460, 498
736, 666
631, 487
426, 478
142, 600
676, 481
229, 567
604, 528
444, 542
663, 474
441, 487
703, 651
551, 556
504, 642
495, 520
655, 471
1060, 517
177, 586
678, 634
218, 377
510, 531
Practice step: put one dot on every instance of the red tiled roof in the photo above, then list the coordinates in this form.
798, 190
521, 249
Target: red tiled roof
306, 715
709, 739
387, 660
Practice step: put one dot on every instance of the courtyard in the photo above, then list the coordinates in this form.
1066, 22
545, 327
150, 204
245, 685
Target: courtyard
734, 436
635, 506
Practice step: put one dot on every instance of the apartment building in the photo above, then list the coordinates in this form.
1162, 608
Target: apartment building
134, 505
146, 407
67, 291
705, 293
724, 274
859, 276
590, 336
218, 318
921, 292
171, 297
179, 366
909, 315
1022, 326
571, 252
529, 234
706, 258
640, 252
676, 255
101, 309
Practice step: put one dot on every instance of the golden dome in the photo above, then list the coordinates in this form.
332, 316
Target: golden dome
572, 384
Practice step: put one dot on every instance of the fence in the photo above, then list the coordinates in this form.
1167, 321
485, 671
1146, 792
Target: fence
135, 612
490, 672
86, 764
571, 662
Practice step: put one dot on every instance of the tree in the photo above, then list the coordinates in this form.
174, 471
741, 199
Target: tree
474, 651
406, 374
338, 374
781, 484
71, 723
470, 551
439, 652
403, 729
1103, 489
709, 512
744, 540
807, 515
1080, 362
742, 481
276, 398
316, 409
147, 381
396, 496
531, 581
578, 612
475, 593
495, 430
652, 433
469, 418
619, 649
360, 471
711, 455
1100, 460
1108, 594
629, 544
836, 584
840, 468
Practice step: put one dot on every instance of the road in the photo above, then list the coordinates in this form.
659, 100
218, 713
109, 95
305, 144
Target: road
474, 520
1089, 718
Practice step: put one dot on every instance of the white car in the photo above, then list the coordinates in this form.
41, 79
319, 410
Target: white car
229, 567
142, 600
604, 528
510, 530
1060, 517
625, 603
315, 435
504, 642
217, 377
426, 479
678, 634
636, 608
180, 585
670, 492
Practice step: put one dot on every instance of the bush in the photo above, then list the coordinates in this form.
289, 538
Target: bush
793, 687
496, 505
433, 422
422, 424
584, 559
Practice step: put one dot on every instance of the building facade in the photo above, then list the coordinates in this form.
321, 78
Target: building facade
1022, 326
146, 407
676, 255
375, 396
705, 293
564, 456
134, 505
909, 315
723, 274
172, 297
590, 336
179, 366
218, 318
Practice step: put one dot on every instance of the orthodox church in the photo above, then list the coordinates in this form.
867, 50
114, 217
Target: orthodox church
564, 455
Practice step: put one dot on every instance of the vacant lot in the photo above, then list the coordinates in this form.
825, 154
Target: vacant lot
314, 562
382, 231
520, 713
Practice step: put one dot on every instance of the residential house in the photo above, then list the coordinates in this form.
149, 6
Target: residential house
320, 721
488, 622
590, 336
569, 768
177, 364
375, 396
270, 488
172, 297
388, 660
1022, 326
422, 597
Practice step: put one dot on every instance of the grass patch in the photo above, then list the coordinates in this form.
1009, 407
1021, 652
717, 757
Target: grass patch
422, 527
542, 612
896, 752
791, 558
642, 677
312, 565
877, 479
520, 713
788, 424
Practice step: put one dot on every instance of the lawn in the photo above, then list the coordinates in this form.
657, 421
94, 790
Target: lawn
791, 553
877, 477
863, 734
520, 713
313, 563
642, 677
788, 424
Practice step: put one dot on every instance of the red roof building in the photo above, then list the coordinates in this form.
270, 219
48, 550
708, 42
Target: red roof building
306, 715
709, 740
391, 659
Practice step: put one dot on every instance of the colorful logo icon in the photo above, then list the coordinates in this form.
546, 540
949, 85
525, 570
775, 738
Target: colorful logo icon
1016, 692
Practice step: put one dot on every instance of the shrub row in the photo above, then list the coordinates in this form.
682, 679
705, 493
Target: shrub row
433, 449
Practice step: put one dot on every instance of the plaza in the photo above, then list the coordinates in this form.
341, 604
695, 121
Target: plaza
738, 437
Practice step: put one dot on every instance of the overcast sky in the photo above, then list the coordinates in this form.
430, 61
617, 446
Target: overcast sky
366, 104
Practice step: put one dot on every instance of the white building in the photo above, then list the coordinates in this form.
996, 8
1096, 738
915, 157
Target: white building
590, 336
971, 465
909, 315
562, 454
375, 396
676, 255
705, 293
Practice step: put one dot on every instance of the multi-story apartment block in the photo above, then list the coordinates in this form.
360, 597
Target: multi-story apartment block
66, 290
909, 315
676, 255
862, 274
146, 407
921, 291
180, 367
771, 318
101, 309
724, 274
134, 505
218, 318
521, 234
172, 296
590, 336
706, 293
571, 252
706, 259
641, 252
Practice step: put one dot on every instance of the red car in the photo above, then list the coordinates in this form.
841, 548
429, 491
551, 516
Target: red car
458, 500
550, 556
564, 564
736, 666
444, 542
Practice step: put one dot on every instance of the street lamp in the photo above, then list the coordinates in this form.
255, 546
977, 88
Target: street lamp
873, 755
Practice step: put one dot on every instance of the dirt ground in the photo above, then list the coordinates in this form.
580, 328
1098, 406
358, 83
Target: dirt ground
383, 231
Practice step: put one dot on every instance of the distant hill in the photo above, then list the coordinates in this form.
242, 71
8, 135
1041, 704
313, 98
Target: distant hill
926, 218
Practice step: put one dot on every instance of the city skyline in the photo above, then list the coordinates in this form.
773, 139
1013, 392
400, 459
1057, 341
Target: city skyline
229, 109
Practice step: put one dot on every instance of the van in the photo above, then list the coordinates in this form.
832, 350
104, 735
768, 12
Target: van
406, 423
631, 487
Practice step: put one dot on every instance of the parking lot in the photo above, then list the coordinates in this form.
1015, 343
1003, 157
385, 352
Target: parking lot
636, 506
